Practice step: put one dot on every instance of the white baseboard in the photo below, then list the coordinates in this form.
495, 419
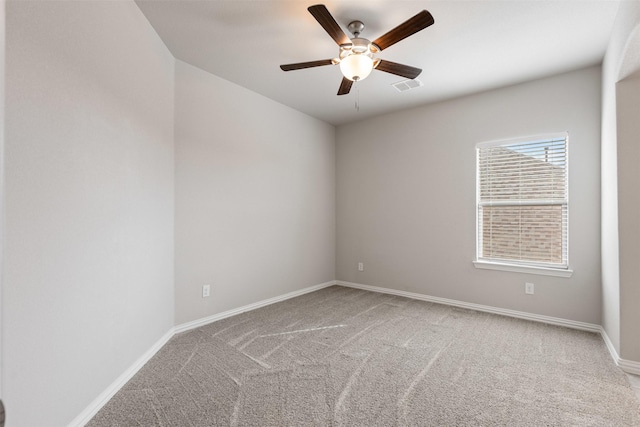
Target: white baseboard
609, 344
97, 404
629, 366
210, 319
93, 408
485, 308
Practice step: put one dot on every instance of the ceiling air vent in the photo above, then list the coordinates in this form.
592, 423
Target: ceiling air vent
406, 85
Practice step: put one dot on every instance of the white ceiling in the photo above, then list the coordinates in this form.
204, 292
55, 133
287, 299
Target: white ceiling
473, 46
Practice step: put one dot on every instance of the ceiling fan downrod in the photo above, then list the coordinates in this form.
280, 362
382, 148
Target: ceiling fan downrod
355, 28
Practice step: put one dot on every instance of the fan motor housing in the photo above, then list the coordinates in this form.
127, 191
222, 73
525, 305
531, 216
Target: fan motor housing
360, 45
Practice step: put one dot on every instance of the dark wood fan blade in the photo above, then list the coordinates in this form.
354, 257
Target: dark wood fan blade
345, 86
419, 22
398, 69
301, 65
324, 18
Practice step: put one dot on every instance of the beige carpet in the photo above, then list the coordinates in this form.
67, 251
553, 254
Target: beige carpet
348, 357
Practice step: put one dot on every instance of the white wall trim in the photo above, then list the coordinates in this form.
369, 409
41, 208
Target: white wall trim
93, 408
610, 346
629, 366
485, 308
97, 404
542, 271
210, 319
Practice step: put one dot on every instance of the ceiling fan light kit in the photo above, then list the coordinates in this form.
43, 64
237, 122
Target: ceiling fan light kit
356, 67
357, 55
356, 58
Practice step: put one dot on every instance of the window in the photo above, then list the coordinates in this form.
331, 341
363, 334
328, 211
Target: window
523, 204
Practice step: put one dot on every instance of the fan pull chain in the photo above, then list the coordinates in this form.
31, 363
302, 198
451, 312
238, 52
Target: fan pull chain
357, 98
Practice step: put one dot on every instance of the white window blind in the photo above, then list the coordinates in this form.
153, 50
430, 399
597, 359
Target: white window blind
522, 201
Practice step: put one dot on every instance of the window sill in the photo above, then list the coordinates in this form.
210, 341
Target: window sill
544, 271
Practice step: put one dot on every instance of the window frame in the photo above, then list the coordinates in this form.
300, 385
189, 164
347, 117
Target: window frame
519, 266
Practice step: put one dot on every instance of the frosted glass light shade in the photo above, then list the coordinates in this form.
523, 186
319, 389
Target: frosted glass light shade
356, 66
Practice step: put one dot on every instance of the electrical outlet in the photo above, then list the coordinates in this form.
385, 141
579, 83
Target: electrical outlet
360, 266
206, 291
528, 288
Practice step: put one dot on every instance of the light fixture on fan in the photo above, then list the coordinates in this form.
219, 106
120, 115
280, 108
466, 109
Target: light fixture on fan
356, 67
356, 58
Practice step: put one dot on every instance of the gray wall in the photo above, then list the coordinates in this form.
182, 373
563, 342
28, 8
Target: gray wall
628, 112
406, 196
88, 280
2, 127
255, 196
620, 61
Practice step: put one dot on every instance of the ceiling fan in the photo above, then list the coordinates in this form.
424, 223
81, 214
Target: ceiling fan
357, 55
